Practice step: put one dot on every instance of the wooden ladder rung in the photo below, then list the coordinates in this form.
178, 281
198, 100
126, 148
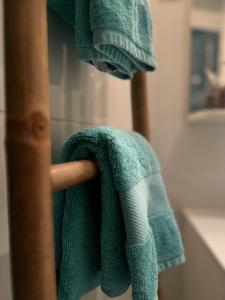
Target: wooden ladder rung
66, 175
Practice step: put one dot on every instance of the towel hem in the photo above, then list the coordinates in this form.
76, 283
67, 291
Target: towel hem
117, 294
164, 265
102, 38
124, 67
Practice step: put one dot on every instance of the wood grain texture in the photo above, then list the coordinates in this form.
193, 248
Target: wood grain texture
69, 174
28, 150
141, 123
140, 105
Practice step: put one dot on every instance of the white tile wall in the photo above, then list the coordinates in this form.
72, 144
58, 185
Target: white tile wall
60, 131
78, 85
118, 103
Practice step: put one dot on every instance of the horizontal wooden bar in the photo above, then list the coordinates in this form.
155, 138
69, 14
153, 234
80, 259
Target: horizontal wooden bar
140, 104
66, 175
28, 151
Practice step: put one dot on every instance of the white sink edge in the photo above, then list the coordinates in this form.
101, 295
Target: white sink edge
210, 226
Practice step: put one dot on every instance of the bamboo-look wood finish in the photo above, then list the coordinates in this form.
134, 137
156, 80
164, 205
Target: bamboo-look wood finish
28, 150
69, 174
140, 104
141, 124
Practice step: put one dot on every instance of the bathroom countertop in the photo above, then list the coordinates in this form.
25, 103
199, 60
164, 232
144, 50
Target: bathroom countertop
210, 226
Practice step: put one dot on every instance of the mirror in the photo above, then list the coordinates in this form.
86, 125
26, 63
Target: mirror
207, 62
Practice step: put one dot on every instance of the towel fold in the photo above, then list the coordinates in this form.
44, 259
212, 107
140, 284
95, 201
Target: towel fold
113, 35
117, 229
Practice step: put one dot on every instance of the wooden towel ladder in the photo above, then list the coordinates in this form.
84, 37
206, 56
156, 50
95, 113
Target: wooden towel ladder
31, 178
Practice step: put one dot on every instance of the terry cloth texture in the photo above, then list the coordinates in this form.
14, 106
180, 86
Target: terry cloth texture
113, 35
117, 229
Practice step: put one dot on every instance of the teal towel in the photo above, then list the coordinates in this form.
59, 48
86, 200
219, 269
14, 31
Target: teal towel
117, 229
113, 35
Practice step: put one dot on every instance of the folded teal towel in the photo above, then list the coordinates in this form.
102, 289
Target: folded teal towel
117, 229
113, 35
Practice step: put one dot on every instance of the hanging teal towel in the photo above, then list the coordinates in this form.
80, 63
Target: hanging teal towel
117, 229
113, 35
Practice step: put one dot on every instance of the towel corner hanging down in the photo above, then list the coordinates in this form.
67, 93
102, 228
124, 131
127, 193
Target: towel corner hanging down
113, 35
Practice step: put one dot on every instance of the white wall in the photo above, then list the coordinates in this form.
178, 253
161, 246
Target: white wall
206, 19
192, 156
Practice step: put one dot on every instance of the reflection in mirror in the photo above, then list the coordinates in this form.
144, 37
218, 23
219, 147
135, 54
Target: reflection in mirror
207, 64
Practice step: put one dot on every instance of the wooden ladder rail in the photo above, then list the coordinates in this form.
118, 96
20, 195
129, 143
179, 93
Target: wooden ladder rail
28, 148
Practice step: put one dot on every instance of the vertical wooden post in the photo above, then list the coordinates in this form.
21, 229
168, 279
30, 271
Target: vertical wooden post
141, 120
28, 150
140, 104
